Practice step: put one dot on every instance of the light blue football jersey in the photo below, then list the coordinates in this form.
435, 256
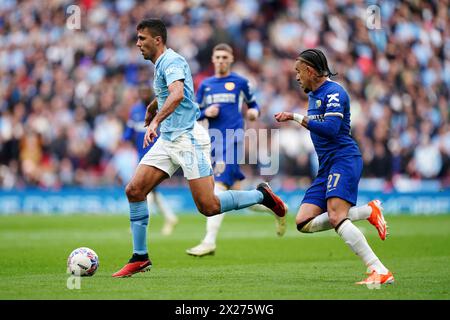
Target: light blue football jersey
171, 67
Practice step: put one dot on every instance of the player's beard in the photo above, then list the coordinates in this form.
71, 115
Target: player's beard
307, 90
149, 54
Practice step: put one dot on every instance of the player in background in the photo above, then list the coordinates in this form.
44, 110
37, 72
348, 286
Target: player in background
221, 97
135, 132
330, 200
183, 143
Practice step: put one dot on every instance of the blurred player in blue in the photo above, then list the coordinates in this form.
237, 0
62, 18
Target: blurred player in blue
182, 143
221, 97
135, 132
330, 200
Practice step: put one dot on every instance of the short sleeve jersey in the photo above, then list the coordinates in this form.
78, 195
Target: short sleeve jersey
169, 68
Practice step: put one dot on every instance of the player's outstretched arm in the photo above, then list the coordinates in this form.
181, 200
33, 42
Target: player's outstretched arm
286, 116
328, 128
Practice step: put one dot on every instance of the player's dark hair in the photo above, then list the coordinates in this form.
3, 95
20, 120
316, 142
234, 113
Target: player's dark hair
316, 59
224, 47
155, 26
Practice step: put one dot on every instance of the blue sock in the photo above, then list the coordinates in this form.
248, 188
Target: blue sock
234, 200
139, 222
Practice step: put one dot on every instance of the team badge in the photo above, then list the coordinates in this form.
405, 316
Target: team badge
230, 86
318, 103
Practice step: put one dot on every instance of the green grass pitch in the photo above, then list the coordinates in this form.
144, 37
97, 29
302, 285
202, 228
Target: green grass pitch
251, 262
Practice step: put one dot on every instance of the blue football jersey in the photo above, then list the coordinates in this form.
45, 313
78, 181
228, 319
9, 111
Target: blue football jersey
229, 93
135, 130
331, 99
169, 68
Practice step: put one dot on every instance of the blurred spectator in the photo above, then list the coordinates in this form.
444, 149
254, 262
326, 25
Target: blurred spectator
427, 158
65, 94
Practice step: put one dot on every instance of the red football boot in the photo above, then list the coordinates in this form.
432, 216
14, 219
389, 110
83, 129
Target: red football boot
271, 200
133, 267
274, 203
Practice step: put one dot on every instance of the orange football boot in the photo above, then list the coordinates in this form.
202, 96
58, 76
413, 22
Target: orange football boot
375, 278
377, 219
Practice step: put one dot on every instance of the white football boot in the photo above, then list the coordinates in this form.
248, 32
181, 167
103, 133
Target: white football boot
202, 249
169, 225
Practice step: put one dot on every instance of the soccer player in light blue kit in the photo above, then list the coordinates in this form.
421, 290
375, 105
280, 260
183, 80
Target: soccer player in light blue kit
135, 132
330, 201
182, 143
221, 97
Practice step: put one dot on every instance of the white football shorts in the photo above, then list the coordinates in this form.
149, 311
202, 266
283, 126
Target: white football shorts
191, 151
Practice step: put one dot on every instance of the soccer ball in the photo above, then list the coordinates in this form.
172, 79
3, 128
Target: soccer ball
82, 262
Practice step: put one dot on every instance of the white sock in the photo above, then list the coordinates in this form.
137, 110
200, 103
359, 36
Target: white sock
213, 223
322, 221
354, 238
319, 223
163, 206
359, 213
212, 228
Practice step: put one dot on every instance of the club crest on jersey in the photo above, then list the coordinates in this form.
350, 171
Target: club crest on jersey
230, 86
318, 103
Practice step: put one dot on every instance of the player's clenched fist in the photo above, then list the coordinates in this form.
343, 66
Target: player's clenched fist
212, 111
252, 114
284, 116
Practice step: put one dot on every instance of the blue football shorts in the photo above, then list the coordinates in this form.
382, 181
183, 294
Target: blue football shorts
340, 179
226, 168
227, 173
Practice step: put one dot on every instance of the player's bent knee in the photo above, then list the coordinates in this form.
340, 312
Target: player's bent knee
208, 209
335, 218
134, 193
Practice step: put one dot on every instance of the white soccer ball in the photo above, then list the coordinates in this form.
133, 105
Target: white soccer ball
82, 262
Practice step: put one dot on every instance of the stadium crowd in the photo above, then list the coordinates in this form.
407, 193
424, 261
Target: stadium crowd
65, 93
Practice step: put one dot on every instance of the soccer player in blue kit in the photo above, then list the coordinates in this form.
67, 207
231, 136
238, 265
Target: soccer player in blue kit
135, 132
182, 143
221, 97
330, 201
